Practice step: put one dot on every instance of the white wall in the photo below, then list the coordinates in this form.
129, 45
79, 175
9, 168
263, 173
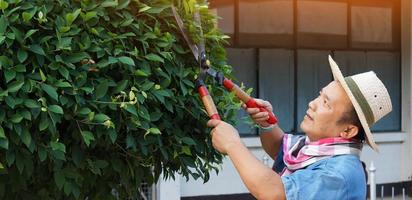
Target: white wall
406, 60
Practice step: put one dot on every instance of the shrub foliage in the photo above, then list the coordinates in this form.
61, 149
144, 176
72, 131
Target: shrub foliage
98, 96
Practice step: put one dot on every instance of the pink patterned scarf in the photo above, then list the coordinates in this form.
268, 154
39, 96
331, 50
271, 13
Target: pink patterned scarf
304, 153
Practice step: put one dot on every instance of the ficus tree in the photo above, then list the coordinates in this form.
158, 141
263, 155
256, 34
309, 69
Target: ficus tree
98, 96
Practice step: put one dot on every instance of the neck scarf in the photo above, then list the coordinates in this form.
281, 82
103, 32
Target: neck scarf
304, 153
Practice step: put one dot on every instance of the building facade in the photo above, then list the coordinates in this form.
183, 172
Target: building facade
280, 48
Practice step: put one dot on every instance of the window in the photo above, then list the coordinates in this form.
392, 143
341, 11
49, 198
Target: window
280, 48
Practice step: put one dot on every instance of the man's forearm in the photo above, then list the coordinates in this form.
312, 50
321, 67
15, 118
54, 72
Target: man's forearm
261, 181
271, 141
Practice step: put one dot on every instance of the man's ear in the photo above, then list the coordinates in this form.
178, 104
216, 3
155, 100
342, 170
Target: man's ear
349, 132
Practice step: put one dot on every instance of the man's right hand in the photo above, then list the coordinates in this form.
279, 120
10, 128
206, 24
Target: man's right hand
259, 117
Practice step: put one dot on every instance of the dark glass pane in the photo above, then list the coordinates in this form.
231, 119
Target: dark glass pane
276, 84
313, 74
243, 62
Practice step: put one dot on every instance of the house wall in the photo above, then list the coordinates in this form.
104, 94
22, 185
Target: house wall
393, 163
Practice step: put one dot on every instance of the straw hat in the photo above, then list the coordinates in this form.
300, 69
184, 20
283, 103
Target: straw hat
368, 95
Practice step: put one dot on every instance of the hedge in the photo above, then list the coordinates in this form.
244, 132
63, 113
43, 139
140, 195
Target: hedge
98, 97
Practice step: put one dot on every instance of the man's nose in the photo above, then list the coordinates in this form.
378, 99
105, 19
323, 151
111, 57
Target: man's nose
312, 104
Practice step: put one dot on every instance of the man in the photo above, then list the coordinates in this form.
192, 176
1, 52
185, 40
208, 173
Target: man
323, 165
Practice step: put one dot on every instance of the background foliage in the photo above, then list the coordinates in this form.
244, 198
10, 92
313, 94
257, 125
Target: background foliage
97, 97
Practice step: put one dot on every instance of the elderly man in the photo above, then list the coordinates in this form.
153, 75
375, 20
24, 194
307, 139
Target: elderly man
323, 165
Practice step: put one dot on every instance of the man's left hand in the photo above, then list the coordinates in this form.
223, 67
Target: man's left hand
224, 136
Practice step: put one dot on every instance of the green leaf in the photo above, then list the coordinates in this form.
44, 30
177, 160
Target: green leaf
64, 72
141, 73
130, 142
35, 48
89, 15
113, 135
10, 157
57, 146
76, 57
121, 86
123, 5
42, 154
4, 93
51, 91
15, 86
59, 155
186, 150
4, 143
16, 118
68, 187
126, 60
42, 76
2, 38
3, 5
30, 103
30, 33
144, 113
108, 3
144, 8
154, 57
44, 123
63, 84
9, 75
100, 118
3, 24
22, 55
70, 17
59, 179
188, 141
26, 138
131, 109
156, 10
84, 111
20, 162
101, 89
56, 109
154, 131
2, 135
27, 16
10, 101
87, 137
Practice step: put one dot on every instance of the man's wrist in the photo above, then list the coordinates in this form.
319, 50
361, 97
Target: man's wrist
266, 129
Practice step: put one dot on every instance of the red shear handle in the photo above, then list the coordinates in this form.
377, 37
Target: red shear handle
249, 101
252, 104
208, 103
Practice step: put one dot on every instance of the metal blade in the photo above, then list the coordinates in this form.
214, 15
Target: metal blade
218, 76
201, 44
189, 42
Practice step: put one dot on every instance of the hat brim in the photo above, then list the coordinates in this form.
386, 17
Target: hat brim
337, 75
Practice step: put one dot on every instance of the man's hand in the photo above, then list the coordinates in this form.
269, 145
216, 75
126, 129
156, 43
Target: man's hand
257, 116
224, 136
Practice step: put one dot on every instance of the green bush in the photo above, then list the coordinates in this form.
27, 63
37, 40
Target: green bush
98, 97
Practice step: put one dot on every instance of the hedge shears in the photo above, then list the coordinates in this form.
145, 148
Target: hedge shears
205, 70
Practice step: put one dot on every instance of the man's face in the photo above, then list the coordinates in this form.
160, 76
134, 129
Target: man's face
324, 112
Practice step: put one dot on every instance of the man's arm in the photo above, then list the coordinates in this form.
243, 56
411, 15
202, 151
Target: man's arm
270, 140
261, 181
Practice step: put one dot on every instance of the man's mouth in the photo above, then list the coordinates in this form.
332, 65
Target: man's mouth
308, 116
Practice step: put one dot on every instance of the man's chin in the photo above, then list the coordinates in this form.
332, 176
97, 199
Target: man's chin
304, 126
